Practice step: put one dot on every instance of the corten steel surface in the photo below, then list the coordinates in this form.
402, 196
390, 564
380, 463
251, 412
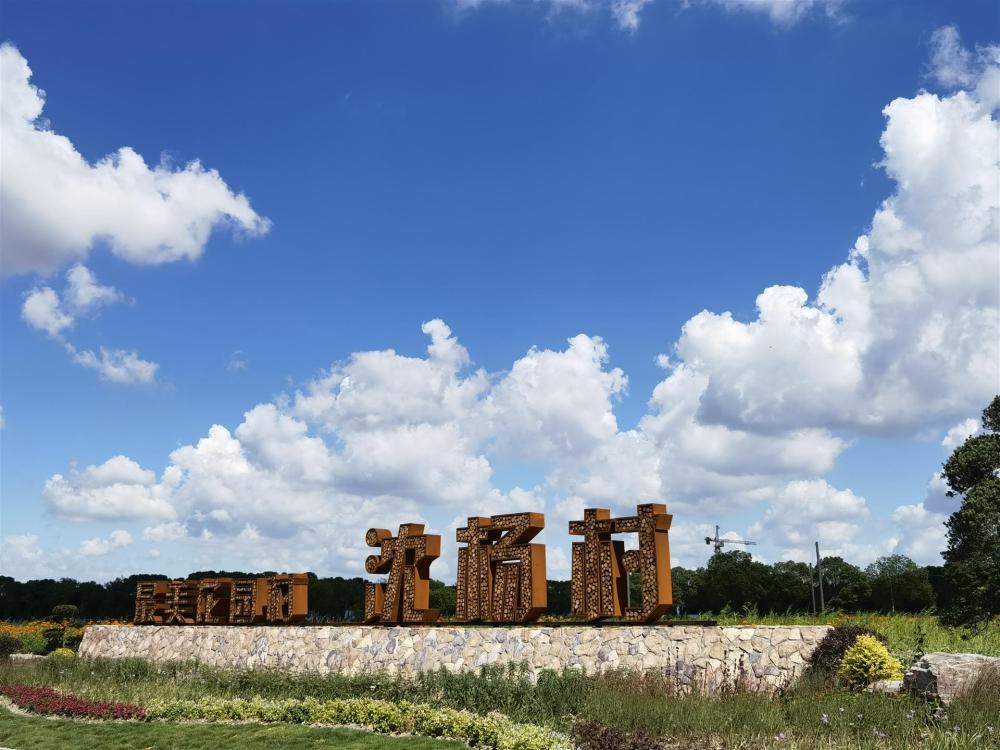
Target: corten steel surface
182, 603
247, 601
213, 601
150, 602
280, 599
286, 598
407, 559
599, 588
501, 577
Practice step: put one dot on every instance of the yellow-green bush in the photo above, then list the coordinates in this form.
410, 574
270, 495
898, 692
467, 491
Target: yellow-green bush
63, 653
868, 661
493, 731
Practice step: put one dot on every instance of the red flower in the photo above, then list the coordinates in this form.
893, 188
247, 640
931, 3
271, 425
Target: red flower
45, 700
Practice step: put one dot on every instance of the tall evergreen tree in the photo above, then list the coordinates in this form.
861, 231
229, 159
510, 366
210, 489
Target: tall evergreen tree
972, 560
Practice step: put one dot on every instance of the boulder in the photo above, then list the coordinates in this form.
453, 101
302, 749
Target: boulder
946, 676
889, 687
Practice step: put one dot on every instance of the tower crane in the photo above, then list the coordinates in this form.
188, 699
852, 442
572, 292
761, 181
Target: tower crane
718, 542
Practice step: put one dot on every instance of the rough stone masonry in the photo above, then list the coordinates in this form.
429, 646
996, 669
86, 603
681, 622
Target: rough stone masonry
710, 658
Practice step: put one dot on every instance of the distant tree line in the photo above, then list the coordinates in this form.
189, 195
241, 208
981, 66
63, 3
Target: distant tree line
731, 580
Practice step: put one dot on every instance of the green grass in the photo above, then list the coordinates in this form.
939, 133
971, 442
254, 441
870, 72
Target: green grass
907, 635
743, 720
31, 733
623, 700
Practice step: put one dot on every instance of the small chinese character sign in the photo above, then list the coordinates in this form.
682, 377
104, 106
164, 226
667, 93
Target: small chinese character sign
407, 558
181, 606
501, 576
214, 600
601, 565
150, 601
221, 601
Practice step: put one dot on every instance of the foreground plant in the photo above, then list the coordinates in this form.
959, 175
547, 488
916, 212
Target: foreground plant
44, 700
868, 661
492, 730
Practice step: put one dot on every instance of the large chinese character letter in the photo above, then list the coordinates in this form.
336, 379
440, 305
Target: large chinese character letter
287, 597
501, 576
601, 565
181, 604
407, 558
150, 602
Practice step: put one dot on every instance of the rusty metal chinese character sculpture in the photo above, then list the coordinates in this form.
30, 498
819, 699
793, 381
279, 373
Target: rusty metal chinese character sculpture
182, 603
214, 598
407, 559
599, 588
501, 577
286, 598
247, 601
150, 601
220, 601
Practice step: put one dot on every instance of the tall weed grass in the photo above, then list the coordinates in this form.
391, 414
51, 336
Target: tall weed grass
813, 714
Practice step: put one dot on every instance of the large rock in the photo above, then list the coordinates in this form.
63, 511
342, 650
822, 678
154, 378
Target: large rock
946, 676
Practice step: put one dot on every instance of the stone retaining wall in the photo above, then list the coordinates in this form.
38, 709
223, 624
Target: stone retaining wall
763, 657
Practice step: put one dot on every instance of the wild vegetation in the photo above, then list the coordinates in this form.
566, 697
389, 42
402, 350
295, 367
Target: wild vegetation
621, 707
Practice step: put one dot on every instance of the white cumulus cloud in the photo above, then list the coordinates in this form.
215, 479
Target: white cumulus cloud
57, 206
44, 310
96, 547
901, 339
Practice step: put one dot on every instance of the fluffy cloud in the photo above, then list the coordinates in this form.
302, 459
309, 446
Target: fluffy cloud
901, 339
626, 14
44, 310
806, 511
784, 12
960, 433
923, 533
96, 547
118, 488
118, 366
57, 206
906, 333
41, 310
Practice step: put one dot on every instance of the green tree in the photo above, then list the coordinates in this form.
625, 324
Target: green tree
845, 586
685, 588
898, 583
972, 560
789, 588
442, 597
734, 580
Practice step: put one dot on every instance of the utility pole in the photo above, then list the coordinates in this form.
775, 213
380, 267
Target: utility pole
819, 575
812, 587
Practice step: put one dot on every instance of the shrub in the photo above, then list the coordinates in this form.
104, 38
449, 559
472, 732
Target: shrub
33, 643
63, 653
53, 638
9, 646
826, 658
65, 611
868, 661
44, 700
494, 730
588, 735
72, 638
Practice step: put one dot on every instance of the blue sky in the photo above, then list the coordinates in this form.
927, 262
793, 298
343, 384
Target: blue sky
525, 172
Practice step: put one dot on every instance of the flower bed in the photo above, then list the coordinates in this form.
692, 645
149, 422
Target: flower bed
384, 717
44, 700
494, 730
